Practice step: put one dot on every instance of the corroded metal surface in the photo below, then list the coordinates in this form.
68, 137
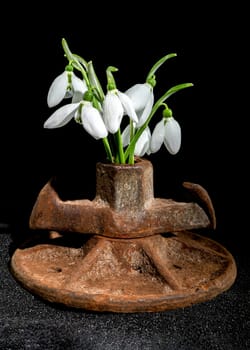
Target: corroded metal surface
124, 251
124, 206
147, 274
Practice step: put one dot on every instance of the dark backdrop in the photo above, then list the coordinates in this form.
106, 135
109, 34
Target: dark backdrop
211, 43
211, 53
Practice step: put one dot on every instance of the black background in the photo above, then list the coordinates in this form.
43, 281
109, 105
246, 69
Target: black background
211, 46
211, 42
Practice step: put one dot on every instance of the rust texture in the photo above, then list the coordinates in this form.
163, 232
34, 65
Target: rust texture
124, 206
124, 251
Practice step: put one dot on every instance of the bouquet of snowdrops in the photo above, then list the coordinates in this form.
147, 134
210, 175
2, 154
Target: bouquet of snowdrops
101, 112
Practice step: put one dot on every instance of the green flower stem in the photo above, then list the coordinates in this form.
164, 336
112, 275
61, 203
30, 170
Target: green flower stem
130, 149
111, 85
81, 60
158, 64
132, 132
95, 81
74, 59
131, 159
119, 144
108, 149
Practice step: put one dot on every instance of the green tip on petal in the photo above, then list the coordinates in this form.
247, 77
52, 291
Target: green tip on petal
111, 85
69, 68
88, 96
167, 113
151, 80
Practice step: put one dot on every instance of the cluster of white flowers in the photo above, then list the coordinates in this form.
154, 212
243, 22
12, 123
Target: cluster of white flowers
101, 114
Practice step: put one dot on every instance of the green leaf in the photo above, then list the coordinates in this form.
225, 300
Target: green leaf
173, 90
81, 60
94, 81
157, 104
158, 64
72, 59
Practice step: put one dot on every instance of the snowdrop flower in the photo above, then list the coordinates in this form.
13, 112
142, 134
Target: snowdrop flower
143, 143
102, 115
142, 97
90, 118
92, 121
172, 140
166, 131
115, 105
66, 85
126, 136
61, 116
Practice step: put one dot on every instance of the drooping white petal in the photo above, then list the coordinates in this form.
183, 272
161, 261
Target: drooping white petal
92, 121
143, 115
158, 135
112, 112
148, 151
143, 143
77, 97
61, 116
126, 136
139, 94
172, 139
78, 84
128, 106
57, 89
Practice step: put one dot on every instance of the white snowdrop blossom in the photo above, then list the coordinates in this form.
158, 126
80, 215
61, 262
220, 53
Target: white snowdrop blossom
157, 137
61, 116
172, 139
126, 136
66, 85
127, 106
102, 113
143, 143
115, 105
142, 97
167, 131
92, 121
90, 117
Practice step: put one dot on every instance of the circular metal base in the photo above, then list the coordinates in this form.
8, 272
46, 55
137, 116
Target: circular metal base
148, 274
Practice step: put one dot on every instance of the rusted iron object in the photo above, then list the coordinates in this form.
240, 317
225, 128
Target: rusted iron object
124, 251
155, 273
124, 206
